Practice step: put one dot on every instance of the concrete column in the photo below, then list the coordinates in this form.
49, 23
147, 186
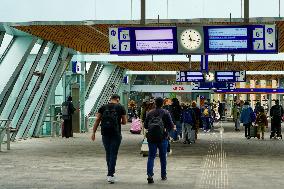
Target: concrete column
263, 96
274, 86
243, 96
82, 97
252, 96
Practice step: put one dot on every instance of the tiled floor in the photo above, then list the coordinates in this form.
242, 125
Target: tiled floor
218, 160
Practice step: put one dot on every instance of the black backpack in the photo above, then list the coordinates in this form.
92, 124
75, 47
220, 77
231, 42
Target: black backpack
277, 111
156, 129
65, 110
109, 123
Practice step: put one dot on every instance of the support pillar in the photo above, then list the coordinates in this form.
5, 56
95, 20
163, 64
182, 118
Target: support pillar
246, 11
82, 98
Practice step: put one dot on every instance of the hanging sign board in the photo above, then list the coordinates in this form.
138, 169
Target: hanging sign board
230, 76
143, 40
249, 39
240, 39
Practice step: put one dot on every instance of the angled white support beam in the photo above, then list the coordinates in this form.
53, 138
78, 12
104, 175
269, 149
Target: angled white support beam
2, 34
12, 65
98, 88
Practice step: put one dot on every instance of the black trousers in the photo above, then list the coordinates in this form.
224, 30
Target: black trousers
276, 127
67, 128
247, 129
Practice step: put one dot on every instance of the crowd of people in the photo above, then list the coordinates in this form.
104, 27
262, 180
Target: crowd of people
255, 121
167, 120
187, 118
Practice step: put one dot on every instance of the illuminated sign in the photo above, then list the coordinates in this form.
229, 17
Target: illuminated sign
241, 39
143, 40
251, 39
184, 76
230, 76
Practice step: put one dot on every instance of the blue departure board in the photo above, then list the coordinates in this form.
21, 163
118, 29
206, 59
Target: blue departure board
241, 39
143, 40
230, 76
188, 76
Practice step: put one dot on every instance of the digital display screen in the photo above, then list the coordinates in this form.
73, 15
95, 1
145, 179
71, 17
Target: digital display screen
230, 76
155, 40
184, 76
220, 39
240, 39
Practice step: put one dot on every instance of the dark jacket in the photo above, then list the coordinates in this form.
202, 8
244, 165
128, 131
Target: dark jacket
246, 114
168, 123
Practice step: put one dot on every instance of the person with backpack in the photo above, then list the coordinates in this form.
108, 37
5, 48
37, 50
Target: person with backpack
247, 117
67, 109
276, 114
158, 124
189, 125
261, 121
110, 117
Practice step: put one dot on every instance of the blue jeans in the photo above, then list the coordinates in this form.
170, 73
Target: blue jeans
177, 132
152, 155
111, 144
206, 123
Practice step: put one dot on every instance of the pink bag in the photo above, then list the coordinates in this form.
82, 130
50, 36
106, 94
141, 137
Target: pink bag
135, 126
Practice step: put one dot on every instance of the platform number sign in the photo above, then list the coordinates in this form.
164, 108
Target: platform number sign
119, 40
264, 38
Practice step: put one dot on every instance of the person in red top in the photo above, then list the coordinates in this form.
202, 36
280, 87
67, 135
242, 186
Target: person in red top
261, 121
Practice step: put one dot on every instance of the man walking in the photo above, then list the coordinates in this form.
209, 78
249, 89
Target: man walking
110, 117
158, 123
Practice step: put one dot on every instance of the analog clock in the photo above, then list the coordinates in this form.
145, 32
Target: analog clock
190, 39
209, 76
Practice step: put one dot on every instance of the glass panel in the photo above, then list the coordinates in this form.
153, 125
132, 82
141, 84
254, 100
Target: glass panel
31, 87
38, 96
187, 9
264, 8
6, 40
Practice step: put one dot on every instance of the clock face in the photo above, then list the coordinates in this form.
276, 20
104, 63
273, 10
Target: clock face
190, 39
210, 76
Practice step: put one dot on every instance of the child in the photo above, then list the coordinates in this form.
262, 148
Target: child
261, 121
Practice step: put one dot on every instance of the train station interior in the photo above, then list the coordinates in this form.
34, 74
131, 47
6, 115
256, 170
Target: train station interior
217, 56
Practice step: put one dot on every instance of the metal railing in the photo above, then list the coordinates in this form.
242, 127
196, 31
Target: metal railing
7, 129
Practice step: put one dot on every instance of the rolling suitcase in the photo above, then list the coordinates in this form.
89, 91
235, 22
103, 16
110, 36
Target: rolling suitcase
144, 148
253, 131
136, 126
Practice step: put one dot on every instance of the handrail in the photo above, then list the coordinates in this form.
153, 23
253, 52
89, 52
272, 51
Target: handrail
8, 129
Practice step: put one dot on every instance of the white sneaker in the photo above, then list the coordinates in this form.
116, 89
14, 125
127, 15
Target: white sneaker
108, 178
111, 179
